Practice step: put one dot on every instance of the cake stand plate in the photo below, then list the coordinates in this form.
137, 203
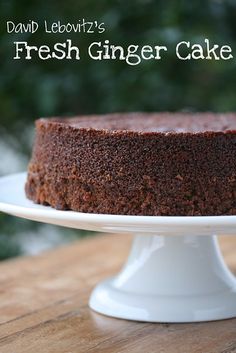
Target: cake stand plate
174, 273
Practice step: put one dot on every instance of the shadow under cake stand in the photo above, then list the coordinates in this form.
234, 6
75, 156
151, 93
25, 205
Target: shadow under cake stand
174, 273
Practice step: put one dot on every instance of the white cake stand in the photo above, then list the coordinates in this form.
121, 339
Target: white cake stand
174, 273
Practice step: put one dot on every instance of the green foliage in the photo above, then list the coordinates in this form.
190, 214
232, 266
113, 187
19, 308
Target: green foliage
36, 88
30, 89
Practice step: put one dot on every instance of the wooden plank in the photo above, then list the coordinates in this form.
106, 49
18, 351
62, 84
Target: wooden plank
43, 305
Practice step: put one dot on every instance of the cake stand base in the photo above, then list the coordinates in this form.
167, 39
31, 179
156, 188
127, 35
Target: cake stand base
170, 279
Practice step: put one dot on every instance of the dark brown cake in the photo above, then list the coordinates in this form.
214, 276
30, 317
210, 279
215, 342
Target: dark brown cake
136, 164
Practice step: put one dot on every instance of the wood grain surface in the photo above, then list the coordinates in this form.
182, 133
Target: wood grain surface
43, 306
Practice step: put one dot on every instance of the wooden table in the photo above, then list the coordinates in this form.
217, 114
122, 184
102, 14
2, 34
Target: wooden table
43, 306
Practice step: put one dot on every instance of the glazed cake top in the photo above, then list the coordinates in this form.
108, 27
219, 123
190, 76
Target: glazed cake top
151, 122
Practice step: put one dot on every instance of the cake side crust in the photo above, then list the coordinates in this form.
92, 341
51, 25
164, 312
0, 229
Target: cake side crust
125, 172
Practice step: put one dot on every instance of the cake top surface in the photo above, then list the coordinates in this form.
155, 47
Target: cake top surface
152, 122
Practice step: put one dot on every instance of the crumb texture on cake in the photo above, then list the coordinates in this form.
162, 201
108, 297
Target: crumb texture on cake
172, 164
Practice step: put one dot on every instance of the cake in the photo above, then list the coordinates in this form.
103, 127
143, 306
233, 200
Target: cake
156, 164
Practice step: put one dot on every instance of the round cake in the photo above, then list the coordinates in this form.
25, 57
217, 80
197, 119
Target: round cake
156, 164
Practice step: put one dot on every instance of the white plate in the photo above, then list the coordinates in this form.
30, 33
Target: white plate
166, 278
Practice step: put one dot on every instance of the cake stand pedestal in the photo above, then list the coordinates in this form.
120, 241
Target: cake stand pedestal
174, 273
170, 279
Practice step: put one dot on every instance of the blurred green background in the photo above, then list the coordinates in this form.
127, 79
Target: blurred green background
32, 89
